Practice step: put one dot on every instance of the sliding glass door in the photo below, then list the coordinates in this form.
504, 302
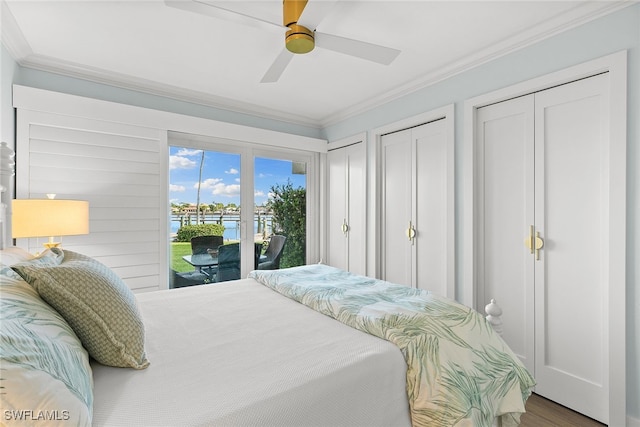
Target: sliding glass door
256, 201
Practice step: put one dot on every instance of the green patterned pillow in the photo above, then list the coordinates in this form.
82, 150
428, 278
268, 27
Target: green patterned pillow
45, 376
97, 304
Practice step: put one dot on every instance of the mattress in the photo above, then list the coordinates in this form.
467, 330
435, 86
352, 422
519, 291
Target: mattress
239, 354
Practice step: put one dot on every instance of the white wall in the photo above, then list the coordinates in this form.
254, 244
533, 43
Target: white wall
604, 36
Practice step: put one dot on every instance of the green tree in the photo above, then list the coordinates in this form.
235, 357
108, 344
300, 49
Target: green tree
289, 207
216, 206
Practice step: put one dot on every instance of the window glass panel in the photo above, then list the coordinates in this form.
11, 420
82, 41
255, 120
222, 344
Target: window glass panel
280, 198
204, 192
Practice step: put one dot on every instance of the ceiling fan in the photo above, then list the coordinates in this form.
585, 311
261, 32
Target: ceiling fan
300, 19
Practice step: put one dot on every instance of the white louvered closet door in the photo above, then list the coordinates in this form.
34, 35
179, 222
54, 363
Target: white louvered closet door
120, 170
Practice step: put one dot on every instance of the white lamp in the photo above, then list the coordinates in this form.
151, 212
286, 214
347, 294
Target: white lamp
49, 218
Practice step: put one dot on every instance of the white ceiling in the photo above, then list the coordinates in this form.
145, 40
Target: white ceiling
146, 45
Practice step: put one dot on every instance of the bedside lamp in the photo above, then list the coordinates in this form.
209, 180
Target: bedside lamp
49, 218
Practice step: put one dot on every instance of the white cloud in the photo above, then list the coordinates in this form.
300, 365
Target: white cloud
258, 193
232, 171
176, 188
226, 190
208, 183
188, 152
179, 162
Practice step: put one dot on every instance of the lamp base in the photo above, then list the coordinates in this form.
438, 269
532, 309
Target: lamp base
50, 245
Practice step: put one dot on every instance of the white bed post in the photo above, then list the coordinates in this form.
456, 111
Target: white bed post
494, 312
7, 170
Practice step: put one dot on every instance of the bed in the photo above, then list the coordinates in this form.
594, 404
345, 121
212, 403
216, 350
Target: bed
307, 346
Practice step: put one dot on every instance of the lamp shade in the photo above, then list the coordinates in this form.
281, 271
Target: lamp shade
49, 217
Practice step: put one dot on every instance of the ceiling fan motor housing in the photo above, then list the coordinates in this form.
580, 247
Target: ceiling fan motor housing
298, 39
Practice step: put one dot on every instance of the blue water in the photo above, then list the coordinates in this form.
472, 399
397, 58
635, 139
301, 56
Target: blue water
231, 229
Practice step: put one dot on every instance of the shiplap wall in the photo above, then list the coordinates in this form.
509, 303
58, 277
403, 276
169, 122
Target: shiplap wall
119, 169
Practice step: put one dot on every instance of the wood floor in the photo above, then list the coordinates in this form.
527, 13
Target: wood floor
545, 413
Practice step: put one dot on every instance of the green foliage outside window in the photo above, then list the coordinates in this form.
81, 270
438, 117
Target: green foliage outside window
289, 207
186, 232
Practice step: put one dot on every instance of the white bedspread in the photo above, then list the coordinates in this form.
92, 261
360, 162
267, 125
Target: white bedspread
240, 354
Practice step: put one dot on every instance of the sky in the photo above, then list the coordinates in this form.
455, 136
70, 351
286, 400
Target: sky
221, 176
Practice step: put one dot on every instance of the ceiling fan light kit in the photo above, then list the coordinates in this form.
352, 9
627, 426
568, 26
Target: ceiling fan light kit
298, 39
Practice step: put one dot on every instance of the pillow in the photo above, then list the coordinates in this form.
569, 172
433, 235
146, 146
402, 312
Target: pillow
46, 377
14, 255
97, 304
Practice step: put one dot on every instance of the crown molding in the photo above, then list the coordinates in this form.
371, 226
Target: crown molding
123, 81
529, 36
12, 38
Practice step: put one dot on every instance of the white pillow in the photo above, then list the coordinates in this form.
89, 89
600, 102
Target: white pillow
13, 255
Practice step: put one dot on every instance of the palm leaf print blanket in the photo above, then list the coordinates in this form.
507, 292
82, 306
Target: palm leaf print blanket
459, 371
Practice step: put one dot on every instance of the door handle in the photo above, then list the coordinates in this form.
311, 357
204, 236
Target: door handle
411, 232
344, 227
539, 244
529, 240
534, 242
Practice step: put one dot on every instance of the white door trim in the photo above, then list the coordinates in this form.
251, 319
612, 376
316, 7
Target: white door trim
616, 65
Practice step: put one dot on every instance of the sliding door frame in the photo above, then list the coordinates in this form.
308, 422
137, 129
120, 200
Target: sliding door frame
248, 152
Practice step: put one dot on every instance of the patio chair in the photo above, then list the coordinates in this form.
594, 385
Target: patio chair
273, 253
228, 262
181, 280
200, 244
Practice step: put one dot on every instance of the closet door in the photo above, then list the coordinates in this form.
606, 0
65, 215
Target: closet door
417, 191
571, 276
346, 208
397, 189
543, 239
432, 209
505, 212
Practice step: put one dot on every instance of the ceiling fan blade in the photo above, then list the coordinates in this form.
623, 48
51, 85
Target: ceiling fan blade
314, 12
369, 51
277, 68
206, 8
